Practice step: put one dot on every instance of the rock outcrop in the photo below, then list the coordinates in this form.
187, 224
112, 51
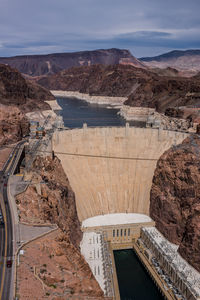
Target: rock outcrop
17, 96
13, 125
175, 198
15, 90
39, 65
51, 199
56, 201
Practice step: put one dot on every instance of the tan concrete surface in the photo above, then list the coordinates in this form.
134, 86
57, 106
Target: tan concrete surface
111, 185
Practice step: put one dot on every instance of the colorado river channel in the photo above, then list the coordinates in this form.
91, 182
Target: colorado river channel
134, 282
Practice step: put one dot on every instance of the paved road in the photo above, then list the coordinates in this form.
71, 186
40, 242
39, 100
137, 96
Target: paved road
6, 231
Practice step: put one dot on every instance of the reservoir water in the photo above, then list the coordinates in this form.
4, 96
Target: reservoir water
134, 281
76, 112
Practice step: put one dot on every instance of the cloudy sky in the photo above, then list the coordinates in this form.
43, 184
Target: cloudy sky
145, 27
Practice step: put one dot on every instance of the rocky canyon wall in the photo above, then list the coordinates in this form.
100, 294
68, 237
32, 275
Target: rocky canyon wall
175, 198
54, 202
17, 96
13, 124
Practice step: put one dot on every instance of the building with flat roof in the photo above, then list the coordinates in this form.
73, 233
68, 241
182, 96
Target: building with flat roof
119, 228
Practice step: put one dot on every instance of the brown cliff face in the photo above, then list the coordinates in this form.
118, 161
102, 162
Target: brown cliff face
57, 201
37, 65
15, 90
18, 96
113, 80
189, 247
166, 92
143, 88
13, 125
56, 204
175, 198
197, 76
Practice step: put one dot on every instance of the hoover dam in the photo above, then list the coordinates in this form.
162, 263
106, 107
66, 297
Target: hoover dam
110, 169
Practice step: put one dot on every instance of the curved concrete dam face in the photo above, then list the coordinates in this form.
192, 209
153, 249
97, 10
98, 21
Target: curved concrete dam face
120, 179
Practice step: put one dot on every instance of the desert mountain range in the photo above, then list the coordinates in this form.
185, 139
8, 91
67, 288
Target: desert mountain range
38, 65
186, 62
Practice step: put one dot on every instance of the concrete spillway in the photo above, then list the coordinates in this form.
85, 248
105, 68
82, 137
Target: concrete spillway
105, 185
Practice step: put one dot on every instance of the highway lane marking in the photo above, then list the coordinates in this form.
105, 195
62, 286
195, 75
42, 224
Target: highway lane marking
10, 163
6, 228
5, 250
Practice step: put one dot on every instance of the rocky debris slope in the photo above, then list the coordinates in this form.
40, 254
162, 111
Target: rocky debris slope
187, 61
15, 90
13, 125
143, 88
191, 114
53, 201
58, 265
175, 198
37, 65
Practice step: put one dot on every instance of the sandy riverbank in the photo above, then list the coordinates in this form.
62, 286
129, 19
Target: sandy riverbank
41, 116
54, 105
131, 113
112, 101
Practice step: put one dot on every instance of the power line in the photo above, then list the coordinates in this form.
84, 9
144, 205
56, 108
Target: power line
103, 156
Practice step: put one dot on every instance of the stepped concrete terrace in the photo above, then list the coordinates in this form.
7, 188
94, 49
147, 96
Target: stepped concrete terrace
110, 184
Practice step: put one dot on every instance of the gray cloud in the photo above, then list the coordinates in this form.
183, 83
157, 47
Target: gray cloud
145, 27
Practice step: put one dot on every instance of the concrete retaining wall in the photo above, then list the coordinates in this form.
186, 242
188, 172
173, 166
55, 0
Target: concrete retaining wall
109, 185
